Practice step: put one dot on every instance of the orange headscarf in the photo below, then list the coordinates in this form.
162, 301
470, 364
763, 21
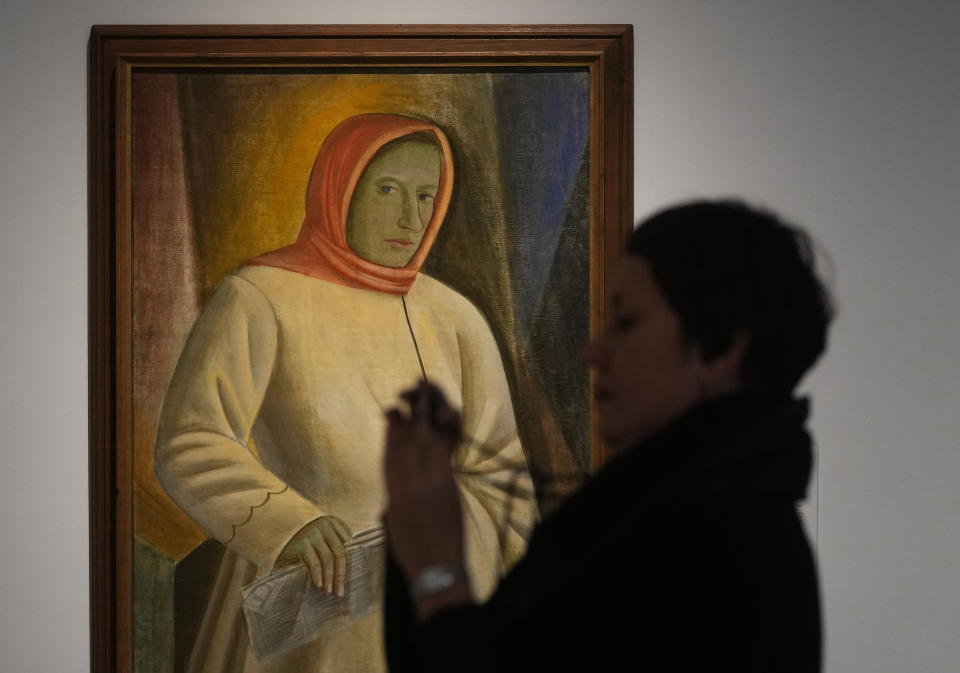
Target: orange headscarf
321, 249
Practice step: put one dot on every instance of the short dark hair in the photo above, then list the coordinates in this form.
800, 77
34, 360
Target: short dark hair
726, 267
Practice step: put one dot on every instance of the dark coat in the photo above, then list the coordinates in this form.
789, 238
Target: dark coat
686, 553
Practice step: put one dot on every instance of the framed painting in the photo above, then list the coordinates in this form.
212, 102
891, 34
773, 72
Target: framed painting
288, 226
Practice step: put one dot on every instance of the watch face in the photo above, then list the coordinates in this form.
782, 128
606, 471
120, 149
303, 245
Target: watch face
436, 578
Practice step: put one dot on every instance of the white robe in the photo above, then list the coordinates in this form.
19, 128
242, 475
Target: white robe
275, 416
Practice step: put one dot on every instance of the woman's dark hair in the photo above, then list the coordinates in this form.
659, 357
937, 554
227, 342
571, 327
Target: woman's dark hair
727, 268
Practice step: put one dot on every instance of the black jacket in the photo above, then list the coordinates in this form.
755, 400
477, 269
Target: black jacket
686, 553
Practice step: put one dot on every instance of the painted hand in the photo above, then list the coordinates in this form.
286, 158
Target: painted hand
320, 546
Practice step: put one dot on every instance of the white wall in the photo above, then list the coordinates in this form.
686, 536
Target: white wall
841, 114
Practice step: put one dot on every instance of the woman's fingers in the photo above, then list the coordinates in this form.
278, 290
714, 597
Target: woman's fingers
308, 554
429, 410
326, 556
322, 547
341, 528
448, 420
335, 535
423, 401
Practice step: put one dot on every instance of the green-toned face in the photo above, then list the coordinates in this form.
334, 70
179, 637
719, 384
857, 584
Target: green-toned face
393, 202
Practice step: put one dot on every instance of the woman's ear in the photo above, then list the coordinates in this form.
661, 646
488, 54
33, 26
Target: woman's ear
721, 375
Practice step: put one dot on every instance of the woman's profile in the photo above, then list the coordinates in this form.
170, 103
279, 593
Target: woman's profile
272, 428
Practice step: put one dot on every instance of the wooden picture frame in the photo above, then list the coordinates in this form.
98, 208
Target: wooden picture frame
128, 67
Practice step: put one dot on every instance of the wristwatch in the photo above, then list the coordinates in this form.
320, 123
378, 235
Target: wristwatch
436, 578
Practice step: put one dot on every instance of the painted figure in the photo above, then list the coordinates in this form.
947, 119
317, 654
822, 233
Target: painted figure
271, 435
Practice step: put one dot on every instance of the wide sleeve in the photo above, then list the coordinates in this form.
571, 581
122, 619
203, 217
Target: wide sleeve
204, 456
495, 485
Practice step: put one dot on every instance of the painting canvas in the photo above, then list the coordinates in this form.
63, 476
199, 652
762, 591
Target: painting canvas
286, 363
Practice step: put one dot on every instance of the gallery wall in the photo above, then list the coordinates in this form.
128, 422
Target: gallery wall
841, 115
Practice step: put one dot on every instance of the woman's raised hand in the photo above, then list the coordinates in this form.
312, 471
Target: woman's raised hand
424, 520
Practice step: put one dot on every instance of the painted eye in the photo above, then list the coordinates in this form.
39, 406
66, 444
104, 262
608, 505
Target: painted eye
386, 189
425, 197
